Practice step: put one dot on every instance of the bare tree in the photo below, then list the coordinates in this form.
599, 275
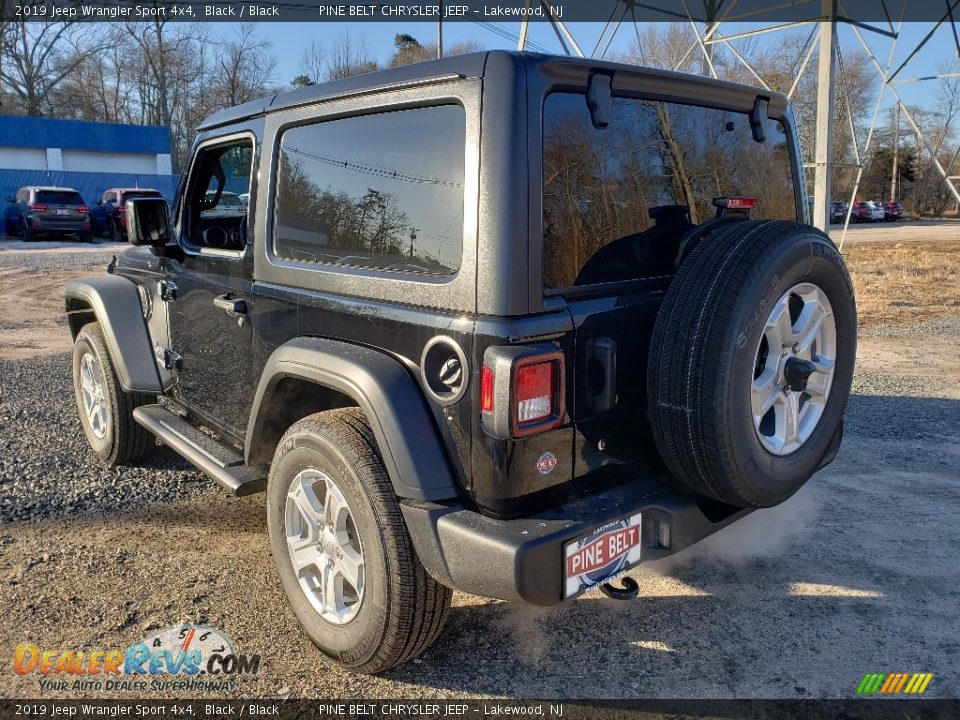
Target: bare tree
36, 57
168, 52
247, 66
349, 57
313, 62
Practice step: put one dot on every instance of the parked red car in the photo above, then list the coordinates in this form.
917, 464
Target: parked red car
865, 211
109, 214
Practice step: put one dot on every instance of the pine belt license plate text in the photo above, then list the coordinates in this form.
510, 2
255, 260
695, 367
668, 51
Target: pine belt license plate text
602, 555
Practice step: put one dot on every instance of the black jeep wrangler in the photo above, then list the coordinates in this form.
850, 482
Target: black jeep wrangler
503, 323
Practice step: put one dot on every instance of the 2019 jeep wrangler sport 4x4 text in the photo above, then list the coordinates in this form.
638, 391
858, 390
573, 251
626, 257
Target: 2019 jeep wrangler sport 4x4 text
503, 323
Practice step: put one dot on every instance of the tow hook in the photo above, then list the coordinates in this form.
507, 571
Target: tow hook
629, 590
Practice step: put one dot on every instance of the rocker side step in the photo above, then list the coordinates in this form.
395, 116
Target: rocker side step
220, 462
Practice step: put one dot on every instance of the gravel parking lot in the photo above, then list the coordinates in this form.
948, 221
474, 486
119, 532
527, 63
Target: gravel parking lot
856, 573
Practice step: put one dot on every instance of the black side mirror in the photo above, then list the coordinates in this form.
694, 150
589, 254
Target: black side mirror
148, 222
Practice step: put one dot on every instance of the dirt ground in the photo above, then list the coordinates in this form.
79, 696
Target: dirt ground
857, 573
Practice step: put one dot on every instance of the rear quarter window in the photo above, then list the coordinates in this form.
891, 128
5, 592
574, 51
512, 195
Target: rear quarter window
382, 191
616, 201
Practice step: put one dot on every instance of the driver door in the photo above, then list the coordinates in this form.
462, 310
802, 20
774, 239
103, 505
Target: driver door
209, 290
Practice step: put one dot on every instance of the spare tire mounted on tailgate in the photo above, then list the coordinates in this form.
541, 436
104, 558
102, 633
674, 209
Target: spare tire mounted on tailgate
751, 361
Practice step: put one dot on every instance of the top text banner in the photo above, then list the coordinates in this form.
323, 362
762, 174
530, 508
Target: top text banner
883, 16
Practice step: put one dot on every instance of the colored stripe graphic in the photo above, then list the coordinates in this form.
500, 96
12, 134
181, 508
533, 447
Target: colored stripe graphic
870, 683
894, 684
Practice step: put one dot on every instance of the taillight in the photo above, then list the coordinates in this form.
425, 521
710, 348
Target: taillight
537, 397
535, 392
486, 389
521, 389
37, 207
243, 209
83, 209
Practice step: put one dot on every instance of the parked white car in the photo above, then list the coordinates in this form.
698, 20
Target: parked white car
230, 205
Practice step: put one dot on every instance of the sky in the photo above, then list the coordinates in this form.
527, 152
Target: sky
289, 40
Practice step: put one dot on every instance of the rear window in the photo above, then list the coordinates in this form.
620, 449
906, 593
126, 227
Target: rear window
616, 201
130, 195
382, 191
59, 197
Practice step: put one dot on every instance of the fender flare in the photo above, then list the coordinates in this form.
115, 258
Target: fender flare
115, 303
405, 430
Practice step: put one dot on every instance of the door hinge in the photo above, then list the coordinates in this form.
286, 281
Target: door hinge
168, 359
167, 290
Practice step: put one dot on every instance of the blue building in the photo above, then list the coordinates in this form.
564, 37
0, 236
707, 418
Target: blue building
87, 156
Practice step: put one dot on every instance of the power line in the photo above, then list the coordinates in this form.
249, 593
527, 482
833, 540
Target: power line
377, 170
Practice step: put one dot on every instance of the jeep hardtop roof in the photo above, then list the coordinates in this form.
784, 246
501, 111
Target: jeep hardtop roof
475, 65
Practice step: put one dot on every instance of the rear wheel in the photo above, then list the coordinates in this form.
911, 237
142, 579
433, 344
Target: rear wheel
116, 233
341, 547
29, 234
751, 362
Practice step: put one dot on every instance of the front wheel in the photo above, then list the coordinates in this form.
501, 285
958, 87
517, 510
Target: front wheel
106, 410
342, 550
751, 362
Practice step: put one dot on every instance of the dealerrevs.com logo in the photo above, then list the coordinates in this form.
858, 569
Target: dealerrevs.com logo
184, 657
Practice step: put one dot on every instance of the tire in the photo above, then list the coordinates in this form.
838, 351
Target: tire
116, 234
401, 610
712, 356
87, 236
29, 235
118, 439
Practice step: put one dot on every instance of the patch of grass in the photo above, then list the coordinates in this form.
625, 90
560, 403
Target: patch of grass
905, 283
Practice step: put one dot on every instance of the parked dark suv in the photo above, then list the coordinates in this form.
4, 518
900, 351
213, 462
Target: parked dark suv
503, 323
109, 215
838, 211
51, 211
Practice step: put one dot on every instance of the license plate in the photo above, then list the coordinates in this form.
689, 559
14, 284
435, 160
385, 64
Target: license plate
62, 211
607, 552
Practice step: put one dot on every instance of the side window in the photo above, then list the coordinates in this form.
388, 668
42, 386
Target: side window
381, 191
213, 214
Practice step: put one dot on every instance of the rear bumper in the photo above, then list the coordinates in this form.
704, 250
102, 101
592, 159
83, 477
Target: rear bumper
523, 559
64, 226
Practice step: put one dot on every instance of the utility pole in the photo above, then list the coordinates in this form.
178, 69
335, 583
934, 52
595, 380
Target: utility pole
440, 31
823, 153
896, 152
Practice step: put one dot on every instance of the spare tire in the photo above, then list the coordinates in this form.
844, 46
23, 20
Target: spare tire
751, 361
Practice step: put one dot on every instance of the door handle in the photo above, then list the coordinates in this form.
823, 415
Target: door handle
233, 306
